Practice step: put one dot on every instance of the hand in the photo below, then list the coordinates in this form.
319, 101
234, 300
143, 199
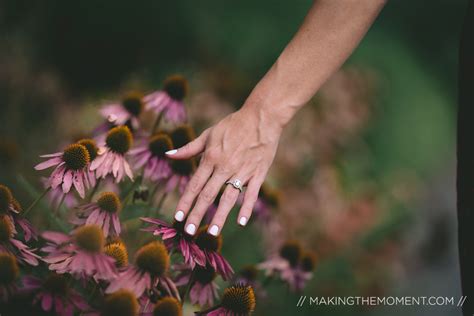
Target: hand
241, 146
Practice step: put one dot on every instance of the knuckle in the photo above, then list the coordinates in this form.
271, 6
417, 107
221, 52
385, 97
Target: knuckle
207, 197
228, 196
194, 186
212, 155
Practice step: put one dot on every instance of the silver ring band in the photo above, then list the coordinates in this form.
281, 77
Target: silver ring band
236, 183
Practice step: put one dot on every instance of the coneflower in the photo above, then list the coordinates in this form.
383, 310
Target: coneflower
13, 246
103, 213
149, 271
151, 157
268, 200
126, 112
175, 238
167, 306
111, 157
182, 135
203, 288
9, 274
72, 169
182, 170
54, 294
117, 250
80, 254
211, 245
11, 207
237, 300
169, 101
121, 302
248, 275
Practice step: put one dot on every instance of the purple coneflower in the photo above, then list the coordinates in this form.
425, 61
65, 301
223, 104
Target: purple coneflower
169, 101
11, 207
103, 213
149, 272
13, 246
165, 306
120, 302
72, 169
9, 273
203, 288
211, 245
291, 265
80, 254
54, 294
248, 275
268, 200
126, 112
111, 157
117, 250
174, 237
237, 300
151, 156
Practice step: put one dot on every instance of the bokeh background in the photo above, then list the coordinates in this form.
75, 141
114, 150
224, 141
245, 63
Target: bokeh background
365, 171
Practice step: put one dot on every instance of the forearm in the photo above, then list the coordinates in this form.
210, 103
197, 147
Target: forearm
328, 35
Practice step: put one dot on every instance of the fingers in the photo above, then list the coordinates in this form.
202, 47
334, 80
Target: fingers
204, 200
251, 196
190, 149
226, 203
193, 188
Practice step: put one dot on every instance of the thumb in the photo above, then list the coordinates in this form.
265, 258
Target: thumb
191, 149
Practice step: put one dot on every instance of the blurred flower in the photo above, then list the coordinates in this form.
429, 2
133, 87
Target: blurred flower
54, 294
169, 101
12, 208
126, 112
55, 196
237, 300
182, 135
291, 264
203, 288
211, 245
117, 250
268, 200
9, 273
149, 271
111, 157
80, 254
248, 275
103, 213
152, 157
121, 302
72, 168
182, 171
167, 306
13, 246
175, 238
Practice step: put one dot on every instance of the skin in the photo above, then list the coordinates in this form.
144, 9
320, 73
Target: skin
243, 144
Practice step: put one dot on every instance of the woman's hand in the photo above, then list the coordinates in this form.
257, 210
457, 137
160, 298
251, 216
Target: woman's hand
241, 146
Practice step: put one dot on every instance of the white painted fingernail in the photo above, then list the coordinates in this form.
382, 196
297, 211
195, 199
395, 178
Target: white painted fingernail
214, 230
171, 152
179, 216
191, 229
243, 220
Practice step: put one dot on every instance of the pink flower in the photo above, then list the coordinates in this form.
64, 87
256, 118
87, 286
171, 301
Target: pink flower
169, 101
148, 273
268, 200
238, 300
203, 289
55, 196
182, 171
151, 156
248, 275
72, 169
8, 276
12, 208
80, 254
125, 112
13, 246
211, 246
111, 157
103, 213
54, 294
174, 237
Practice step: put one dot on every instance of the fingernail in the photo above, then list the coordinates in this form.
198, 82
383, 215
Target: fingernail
243, 221
191, 229
171, 152
179, 216
214, 230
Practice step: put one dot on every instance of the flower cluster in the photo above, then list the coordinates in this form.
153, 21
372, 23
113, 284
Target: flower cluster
106, 194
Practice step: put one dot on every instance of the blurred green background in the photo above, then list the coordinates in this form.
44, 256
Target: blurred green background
60, 59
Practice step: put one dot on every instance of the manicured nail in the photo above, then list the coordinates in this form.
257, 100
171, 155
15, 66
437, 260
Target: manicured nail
171, 152
179, 216
191, 229
243, 221
214, 230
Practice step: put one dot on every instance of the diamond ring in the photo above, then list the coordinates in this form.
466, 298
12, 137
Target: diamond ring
236, 184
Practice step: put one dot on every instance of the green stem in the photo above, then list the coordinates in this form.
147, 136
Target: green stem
36, 201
